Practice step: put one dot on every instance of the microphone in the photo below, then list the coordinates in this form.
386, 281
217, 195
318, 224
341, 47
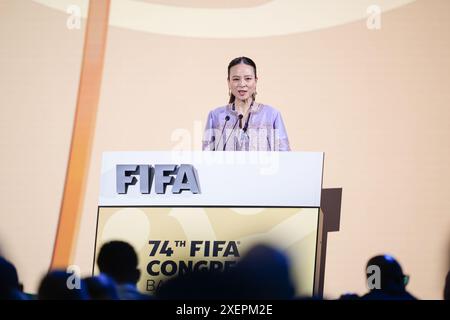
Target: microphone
248, 118
220, 138
246, 123
234, 127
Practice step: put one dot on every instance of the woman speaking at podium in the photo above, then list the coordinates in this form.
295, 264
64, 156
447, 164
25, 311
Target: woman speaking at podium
244, 124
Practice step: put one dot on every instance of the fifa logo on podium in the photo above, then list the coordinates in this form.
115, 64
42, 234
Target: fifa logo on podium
180, 177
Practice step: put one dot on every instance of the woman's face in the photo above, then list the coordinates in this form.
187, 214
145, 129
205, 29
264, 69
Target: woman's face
242, 81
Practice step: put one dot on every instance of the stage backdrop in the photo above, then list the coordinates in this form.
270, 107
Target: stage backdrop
369, 90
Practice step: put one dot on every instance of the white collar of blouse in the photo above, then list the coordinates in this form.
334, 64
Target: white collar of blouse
254, 107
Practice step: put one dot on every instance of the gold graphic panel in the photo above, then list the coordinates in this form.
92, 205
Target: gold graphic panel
170, 240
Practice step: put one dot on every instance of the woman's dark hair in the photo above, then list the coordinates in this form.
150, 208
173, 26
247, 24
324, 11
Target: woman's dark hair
237, 61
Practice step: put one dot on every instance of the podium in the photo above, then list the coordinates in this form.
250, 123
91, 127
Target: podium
186, 211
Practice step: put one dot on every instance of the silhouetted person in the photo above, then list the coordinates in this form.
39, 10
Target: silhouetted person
62, 285
118, 260
447, 287
101, 287
264, 273
392, 280
447, 279
196, 285
9, 282
349, 296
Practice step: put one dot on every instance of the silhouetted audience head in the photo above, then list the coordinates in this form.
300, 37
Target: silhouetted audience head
387, 280
10, 288
196, 285
392, 276
62, 285
349, 296
447, 287
101, 287
447, 279
265, 271
118, 260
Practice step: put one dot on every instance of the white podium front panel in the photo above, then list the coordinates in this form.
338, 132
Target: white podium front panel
224, 179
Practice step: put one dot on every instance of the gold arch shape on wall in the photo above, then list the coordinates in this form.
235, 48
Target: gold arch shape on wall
274, 18
83, 133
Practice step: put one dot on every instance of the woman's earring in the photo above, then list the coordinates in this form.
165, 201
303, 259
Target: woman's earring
229, 92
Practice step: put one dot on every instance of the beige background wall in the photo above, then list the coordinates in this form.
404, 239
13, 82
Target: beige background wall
40, 62
376, 102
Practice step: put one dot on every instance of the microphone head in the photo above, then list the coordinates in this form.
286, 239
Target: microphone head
240, 116
227, 118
